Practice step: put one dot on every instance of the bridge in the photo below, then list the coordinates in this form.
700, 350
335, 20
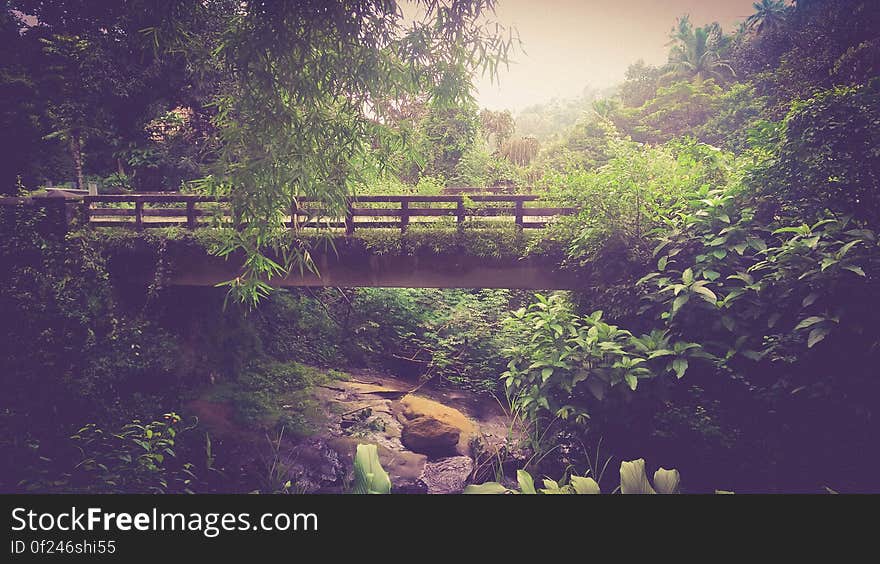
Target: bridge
141, 211
348, 265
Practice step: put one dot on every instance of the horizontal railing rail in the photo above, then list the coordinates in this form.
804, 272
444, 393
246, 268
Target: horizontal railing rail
374, 211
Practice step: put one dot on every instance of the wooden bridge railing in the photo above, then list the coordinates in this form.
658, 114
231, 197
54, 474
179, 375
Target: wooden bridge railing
165, 210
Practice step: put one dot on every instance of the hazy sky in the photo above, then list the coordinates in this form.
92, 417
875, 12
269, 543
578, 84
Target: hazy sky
570, 44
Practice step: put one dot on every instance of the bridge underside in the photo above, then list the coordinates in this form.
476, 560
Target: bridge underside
393, 271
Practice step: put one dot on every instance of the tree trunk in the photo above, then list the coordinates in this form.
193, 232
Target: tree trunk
76, 153
120, 166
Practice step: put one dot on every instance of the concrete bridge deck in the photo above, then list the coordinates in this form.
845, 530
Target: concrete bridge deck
393, 271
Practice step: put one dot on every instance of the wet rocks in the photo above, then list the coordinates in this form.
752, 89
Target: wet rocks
416, 486
314, 466
447, 475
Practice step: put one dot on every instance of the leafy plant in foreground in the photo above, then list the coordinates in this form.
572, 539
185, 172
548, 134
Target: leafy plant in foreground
369, 476
633, 480
570, 360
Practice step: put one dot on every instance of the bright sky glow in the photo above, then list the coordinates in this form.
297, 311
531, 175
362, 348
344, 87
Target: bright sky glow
572, 44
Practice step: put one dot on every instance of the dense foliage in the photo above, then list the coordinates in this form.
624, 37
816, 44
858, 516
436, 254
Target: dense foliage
93, 340
755, 262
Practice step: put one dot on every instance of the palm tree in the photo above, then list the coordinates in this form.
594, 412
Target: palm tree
769, 15
697, 53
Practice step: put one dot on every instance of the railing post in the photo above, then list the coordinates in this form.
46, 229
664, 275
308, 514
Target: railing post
349, 218
518, 207
86, 211
293, 210
191, 214
404, 215
138, 214
460, 213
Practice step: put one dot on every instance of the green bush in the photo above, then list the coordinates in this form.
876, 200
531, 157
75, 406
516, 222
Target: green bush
137, 458
824, 155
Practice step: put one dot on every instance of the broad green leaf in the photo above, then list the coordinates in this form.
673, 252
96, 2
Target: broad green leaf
816, 335
800, 230
681, 346
584, 485
812, 320
659, 248
679, 365
526, 483
489, 488
631, 380
678, 302
744, 276
551, 484
856, 269
845, 249
647, 277
667, 481
661, 264
633, 479
822, 223
706, 294
546, 373
564, 490
757, 244
687, 276
369, 476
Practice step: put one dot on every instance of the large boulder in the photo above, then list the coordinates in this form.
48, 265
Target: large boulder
433, 428
430, 436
